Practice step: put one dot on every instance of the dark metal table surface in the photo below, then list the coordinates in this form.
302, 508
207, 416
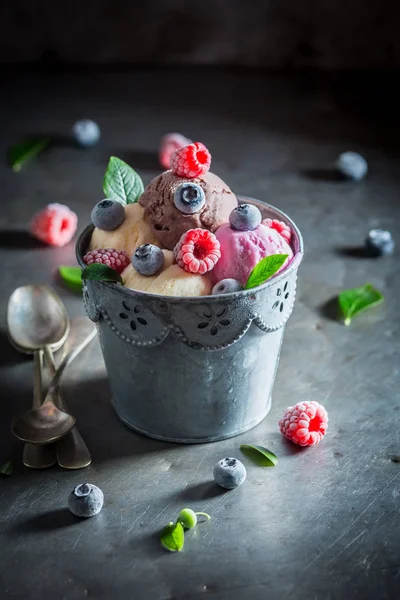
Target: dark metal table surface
323, 524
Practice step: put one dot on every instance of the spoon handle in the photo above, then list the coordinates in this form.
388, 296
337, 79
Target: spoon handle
37, 378
68, 358
72, 452
34, 456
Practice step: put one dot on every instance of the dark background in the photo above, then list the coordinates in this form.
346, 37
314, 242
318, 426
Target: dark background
277, 34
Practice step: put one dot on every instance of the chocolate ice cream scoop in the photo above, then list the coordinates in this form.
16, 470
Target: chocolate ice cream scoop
174, 204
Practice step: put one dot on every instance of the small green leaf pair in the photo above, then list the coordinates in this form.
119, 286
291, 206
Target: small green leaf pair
121, 183
27, 150
263, 270
173, 535
358, 300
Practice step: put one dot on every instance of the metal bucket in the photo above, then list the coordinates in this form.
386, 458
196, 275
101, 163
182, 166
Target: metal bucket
193, 370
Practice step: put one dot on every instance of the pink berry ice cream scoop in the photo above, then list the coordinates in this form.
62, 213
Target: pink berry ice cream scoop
242, 249
186, 197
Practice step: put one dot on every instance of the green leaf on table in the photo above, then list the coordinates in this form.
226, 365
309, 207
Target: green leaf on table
357, 300
265, 269
259, 455
121, 182
173, 537
21, 153
100, 272
72, 277
7, 468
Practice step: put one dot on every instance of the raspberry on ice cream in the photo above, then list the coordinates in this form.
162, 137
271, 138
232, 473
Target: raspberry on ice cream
197, 251
168, 145
280, 227
55, 225
116, 259
191, 161
305, 423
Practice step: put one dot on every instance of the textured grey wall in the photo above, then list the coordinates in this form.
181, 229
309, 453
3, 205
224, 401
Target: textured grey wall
273, 33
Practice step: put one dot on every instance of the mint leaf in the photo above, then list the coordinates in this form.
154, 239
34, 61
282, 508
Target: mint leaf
7, 468
121, 182
259, 455
357, 300
21, 153
173, 537
265, 269
100, 272
71, 277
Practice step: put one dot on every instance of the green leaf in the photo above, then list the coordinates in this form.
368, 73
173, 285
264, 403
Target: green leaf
72, 277
7, 468
100, 272
357, 300
21, 153
173, 537
259, 455
121, 182
265, 269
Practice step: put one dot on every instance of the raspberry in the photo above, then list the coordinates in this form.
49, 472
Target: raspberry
116, 259
191, 161
168, 144
280, 227
305, 423
55, 225
197, 251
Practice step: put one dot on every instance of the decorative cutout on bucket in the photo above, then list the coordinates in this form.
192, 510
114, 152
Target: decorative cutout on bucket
214, 321
279, 293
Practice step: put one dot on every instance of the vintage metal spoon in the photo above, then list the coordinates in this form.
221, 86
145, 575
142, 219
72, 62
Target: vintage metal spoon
72, 452
36, 318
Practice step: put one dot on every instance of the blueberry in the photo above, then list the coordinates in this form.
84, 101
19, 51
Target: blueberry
189, 198
245, 217
148, 259
229, 473
85, 500
225, 286
86, 133
108, 215
352, 166
379, 243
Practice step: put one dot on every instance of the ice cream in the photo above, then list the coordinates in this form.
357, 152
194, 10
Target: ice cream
168, 223
242, 250
171, 281
133, 232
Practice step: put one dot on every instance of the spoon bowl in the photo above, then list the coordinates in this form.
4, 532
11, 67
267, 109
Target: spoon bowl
37, 318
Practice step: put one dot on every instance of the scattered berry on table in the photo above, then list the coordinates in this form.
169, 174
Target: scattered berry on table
148, 260
229, 473
226, 286
198, 251
245, 217
86, 133
191, 161
116, 259
85, 500
352, 166
187, 518
108, 215
280, 227
55, 225
305, 423
189, 198
168, 145
379, 243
